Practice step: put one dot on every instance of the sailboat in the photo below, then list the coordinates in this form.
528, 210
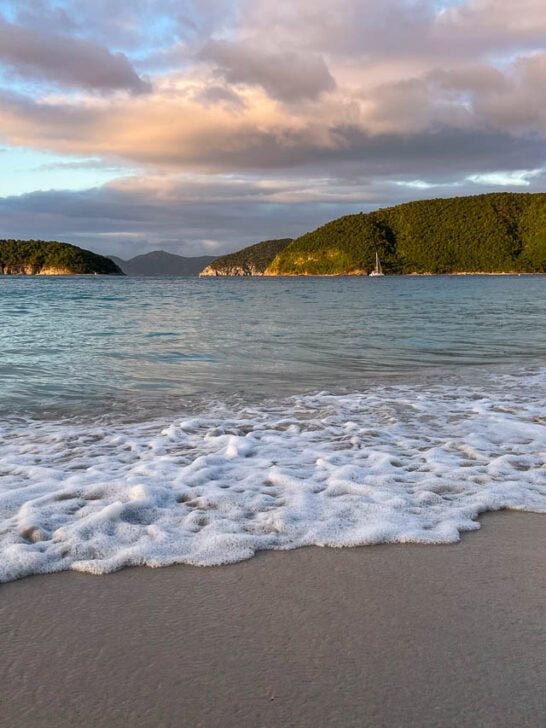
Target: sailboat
377, 270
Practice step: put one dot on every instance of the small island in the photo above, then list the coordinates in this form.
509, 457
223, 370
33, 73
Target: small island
50, 258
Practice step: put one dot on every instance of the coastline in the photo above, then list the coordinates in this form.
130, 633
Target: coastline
389, 635
363, 274
59, 274
346, 274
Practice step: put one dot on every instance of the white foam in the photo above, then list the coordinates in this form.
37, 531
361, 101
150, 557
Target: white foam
396, 464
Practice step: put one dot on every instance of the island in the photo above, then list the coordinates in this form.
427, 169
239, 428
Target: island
491, 233
250, 261
51, 258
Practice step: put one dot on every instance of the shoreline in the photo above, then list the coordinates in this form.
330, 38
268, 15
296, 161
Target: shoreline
351, 274
387, 635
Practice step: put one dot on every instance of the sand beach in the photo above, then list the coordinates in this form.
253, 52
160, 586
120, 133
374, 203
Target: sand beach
388, 635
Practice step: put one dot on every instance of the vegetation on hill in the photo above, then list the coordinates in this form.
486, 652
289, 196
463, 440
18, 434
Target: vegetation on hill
252, 260
33, 257
498, 232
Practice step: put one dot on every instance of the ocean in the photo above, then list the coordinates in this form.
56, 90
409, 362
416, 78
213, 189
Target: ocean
182, 420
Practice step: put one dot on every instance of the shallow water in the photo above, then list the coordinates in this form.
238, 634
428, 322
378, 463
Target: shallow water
185, 420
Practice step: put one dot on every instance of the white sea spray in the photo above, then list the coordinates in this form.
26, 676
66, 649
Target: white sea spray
393, 464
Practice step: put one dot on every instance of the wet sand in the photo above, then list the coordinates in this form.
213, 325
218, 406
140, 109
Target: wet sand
396, 636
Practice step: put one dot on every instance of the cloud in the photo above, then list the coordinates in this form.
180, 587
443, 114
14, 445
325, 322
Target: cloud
375, 29
41, 15
76, 164
444, 115
354, 27
268, 117
128, 221
513, 178
253, 102
141, 26
195, 214
486, 25
285, 75
70, 62
513, 99
521, 105
215, 94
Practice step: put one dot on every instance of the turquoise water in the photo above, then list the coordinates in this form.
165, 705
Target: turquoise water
141, 346
166, 421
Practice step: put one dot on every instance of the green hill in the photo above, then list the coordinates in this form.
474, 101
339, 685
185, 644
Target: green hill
38, 257
499, 232
251, 261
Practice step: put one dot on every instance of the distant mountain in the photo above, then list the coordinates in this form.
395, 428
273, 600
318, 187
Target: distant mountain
251, 261
491, 233
160, 263
50, 258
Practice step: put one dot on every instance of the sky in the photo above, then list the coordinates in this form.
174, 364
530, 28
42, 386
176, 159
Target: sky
202, 126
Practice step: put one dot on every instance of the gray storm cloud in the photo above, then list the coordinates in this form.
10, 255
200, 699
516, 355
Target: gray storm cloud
67, 61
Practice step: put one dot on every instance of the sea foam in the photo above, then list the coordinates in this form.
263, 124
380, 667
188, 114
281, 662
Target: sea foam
393, 464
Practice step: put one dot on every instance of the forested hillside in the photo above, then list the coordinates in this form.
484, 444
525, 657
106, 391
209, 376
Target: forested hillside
500, 232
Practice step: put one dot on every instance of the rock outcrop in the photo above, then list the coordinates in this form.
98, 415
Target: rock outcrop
232, 270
